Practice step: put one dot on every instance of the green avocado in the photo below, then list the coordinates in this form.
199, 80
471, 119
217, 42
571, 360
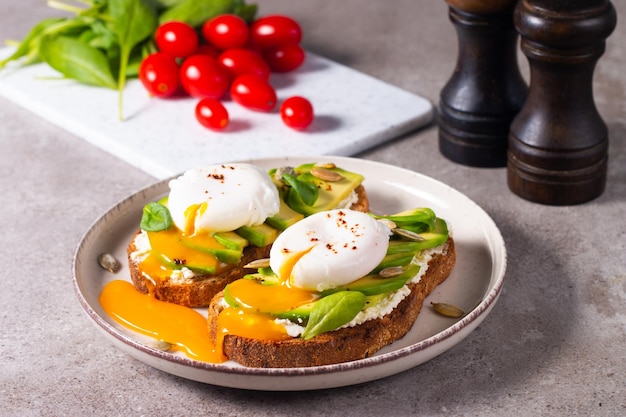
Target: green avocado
331, 193
374, 284
226, 255
260, 235
200, 268
431, 239
230, 240
284, 218
298, 315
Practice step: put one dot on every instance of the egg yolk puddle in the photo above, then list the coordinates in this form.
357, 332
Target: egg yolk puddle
183, 327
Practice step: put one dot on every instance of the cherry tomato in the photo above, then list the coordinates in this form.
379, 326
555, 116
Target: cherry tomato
271, 31
253, 92
206, 49
211, 113
201, 76
296, 112
284, 58
176, 38
240, 61
158, 73
226, 31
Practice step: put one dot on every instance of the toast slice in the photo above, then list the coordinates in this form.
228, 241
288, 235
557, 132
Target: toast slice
344, 344
197, 291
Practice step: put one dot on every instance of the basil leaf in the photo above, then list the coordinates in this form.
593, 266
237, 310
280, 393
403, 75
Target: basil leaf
132, 22
307, 191
333, 311
155, 218
76, 60
196, 12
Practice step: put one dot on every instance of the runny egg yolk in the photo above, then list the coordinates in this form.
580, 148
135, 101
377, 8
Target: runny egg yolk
169, 244
256, 302
183, 327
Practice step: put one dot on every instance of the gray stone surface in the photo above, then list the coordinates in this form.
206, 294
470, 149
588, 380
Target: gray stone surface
555, 344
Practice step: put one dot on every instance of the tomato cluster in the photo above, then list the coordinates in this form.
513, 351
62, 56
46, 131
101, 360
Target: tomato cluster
227, 57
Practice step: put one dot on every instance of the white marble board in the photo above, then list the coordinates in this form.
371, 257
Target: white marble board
354, 112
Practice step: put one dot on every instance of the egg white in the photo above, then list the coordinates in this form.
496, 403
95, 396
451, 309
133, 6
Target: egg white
330, 249
234, 195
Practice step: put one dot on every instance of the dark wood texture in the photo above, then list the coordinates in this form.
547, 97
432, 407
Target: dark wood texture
558, 143
486, 89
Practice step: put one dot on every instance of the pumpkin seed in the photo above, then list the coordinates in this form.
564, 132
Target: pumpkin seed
108, 262
408, 234
258, 263
160, 345
391, 225
391, 271
326, 174
284, 170
327, 165
448, 310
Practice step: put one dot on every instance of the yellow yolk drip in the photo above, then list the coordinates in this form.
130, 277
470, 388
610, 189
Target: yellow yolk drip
190, 216
183, 327
248, 324
252, 318
180, 250
257, 298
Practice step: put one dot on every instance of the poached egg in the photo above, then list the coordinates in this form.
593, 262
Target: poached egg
223, 197
329, 249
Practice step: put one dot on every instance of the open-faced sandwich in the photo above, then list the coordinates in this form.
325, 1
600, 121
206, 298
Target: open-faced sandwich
218, 218
338, 286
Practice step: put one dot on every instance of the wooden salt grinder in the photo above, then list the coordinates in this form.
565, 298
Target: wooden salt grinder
558, 144
486, 89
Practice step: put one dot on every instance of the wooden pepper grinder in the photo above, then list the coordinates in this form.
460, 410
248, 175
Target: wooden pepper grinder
558, 143
486, 89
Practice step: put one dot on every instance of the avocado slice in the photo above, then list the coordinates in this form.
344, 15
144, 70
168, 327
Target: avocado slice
431, 239
331, 192
298, 315
194, 264
285, 217
373, 284
231, 240
263, 277
260, 235
229, 256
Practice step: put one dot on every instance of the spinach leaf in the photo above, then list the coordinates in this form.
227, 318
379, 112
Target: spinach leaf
196, 12
155, 217
30, 44
307, 191
246, 11
132, 22
333, 311
77, 60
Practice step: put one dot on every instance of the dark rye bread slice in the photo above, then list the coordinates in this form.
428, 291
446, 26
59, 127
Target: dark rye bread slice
342, 345
199, 291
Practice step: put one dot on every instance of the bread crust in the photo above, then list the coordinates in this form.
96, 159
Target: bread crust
199, 291
342, 345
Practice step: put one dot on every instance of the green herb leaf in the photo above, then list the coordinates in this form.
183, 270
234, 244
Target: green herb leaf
196, 12
333, 311
307, 191
155, 218
132, 22
30, 43
76, 60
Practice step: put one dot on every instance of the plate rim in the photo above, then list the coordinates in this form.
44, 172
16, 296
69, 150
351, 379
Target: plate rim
474, 317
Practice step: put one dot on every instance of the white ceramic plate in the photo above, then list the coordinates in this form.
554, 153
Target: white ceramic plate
474, 285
